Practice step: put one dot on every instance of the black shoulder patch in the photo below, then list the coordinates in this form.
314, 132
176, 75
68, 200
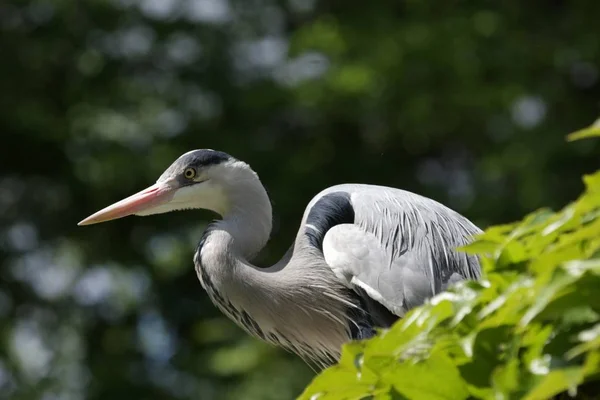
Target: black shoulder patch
330, 210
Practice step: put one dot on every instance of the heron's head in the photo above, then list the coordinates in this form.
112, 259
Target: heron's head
198, 179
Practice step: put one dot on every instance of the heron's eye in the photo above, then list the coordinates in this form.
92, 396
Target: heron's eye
189, 173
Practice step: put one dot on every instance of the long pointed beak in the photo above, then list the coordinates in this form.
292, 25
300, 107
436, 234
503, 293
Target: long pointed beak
153, 196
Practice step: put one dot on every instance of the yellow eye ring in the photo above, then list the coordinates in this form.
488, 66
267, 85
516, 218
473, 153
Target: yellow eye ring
189, 173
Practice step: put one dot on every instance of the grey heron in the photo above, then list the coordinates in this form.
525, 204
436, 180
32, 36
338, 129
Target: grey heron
364, 255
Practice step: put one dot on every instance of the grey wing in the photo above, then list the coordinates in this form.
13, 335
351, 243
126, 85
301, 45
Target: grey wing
400, 248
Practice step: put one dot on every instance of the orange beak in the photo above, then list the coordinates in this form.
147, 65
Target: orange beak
155, 195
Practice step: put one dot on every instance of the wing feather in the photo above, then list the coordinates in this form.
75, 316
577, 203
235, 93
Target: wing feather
400, 249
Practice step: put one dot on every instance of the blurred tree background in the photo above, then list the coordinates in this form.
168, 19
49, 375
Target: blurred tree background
466, 103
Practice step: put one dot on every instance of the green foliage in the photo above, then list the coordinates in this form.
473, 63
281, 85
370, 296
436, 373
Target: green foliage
529, 330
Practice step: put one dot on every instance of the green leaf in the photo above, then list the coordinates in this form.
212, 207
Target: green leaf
486, 355
337, 383
435, 378
590, 339
507, 377
591, 131
480, 247
556, 382
592, 183
545, 294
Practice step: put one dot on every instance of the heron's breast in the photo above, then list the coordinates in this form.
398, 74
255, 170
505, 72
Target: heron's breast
315, 337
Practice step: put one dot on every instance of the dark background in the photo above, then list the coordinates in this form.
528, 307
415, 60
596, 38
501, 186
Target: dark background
466, 104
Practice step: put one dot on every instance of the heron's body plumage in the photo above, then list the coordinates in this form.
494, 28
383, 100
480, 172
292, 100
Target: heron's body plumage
363, 256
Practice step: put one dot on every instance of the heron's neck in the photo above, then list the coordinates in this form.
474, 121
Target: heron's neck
224, 255
276, 304
247, 223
